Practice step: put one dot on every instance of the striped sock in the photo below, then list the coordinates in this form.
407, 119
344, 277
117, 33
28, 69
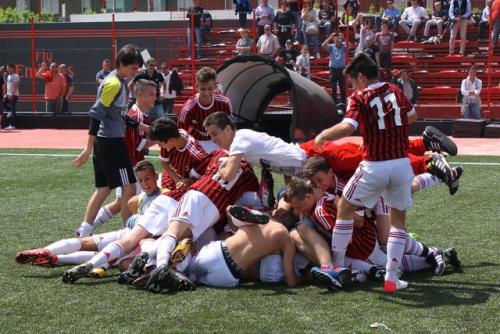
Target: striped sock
342, 233
395, 249
427, 180
111, 252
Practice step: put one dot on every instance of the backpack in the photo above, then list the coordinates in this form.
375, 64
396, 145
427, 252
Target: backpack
459, 96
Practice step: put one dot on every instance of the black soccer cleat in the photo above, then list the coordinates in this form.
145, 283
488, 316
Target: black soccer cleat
135, 269
248, 216
451, 257
440, 167
436, 260
74, 274
159, 280
453, 184
436, 141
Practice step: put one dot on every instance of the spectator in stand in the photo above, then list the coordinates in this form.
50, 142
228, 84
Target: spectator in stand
268, 44
194, 15
365, 32
483, 24
408, 85
244, 44
173, 87
12, 96
106, 69
288, 55
284, 23
347, 19
385, 42
391, 14
55, 87
69, 89
355, 4
371, 49
326, 18
243, 8
293, 5
3, 91
459, 13
303, 63
439, 17
471, 100
152, 74
205, 26
495, 19
264, 15
336, 48
310, 26
411, 19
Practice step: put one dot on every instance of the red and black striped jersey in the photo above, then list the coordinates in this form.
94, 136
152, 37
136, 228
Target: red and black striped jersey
193, 114
135, 139
363, 238
182, 161
381, 112
219, 191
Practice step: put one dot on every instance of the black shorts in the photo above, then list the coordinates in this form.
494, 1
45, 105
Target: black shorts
112, 166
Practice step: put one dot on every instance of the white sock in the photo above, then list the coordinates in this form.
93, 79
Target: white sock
102, 217
342, 233
110, 253
182, 266
65, 246
413, 263
395, 249
86, 230
75, 257
165, 249
427, 180
417, 248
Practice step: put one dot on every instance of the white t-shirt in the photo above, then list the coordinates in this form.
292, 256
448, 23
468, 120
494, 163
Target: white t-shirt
259, 145
11, 79
166, 93
413, 14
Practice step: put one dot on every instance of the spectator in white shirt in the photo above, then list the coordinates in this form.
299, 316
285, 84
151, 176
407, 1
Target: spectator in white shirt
411, 19
471, 101
268, 44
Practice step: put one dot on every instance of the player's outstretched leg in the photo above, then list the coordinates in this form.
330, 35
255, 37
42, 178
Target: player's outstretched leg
74, 274
242, 215
135, 269
436, 141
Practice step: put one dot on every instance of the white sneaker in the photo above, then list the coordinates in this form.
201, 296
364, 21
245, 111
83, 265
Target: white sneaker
9, 114
10, 127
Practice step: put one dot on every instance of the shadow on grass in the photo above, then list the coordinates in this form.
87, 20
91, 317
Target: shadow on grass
422, 293
267, 289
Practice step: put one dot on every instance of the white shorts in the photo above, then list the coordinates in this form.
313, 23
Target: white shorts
391, 179
271, 267
208, 145
197, 210
210, 268
103, 239
157, 216
118, 190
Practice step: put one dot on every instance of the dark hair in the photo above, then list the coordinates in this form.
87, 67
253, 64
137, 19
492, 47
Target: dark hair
219, 119
298, 189
163, 129
107, 61
129, 55
314, 165
11, 65
285, 217
205, 74
143, 83
362, 63
150, 60
144, 165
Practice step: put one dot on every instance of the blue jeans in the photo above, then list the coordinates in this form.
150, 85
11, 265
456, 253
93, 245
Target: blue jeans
199, 41
299, 35
168, 106
311, 39
12, 103
471, 110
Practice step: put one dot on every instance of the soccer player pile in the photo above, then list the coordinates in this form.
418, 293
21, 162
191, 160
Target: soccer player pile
338, 222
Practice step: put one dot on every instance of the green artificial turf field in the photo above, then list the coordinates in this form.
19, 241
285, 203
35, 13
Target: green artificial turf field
43, 199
